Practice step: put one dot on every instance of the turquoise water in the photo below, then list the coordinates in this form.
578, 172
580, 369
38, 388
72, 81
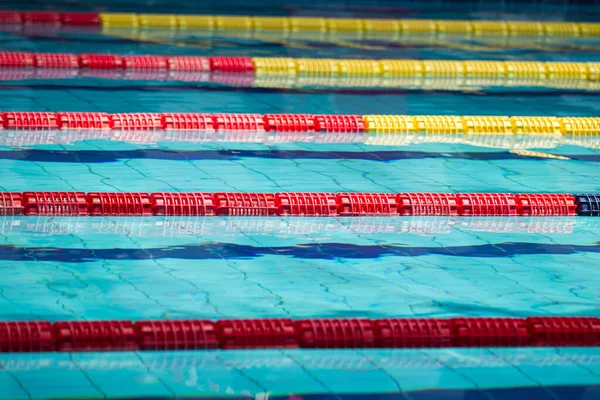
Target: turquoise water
138, 268
456, 374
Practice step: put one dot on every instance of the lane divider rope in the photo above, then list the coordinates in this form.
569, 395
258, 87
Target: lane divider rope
297, 204
528, 71
307, 24
287, 83
302, 123
516, 133
333, 333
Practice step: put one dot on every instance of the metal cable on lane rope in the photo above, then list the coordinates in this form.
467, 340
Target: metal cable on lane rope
353, 204
333, 333
301, 24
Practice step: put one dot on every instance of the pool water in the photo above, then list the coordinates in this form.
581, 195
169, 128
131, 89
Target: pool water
75, 268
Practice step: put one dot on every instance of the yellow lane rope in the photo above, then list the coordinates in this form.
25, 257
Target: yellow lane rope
380, 41
528, 70
484, 131
363, 26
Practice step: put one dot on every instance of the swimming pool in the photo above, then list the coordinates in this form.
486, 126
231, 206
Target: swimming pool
79, 268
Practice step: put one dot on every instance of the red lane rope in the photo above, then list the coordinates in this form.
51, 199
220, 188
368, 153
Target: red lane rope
183, 122
58, 61
296, 204
334, 333
50, 18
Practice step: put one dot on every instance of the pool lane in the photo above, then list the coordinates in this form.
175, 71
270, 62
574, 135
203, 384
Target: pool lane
499, 374
113, 268
41, 96
214, 167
